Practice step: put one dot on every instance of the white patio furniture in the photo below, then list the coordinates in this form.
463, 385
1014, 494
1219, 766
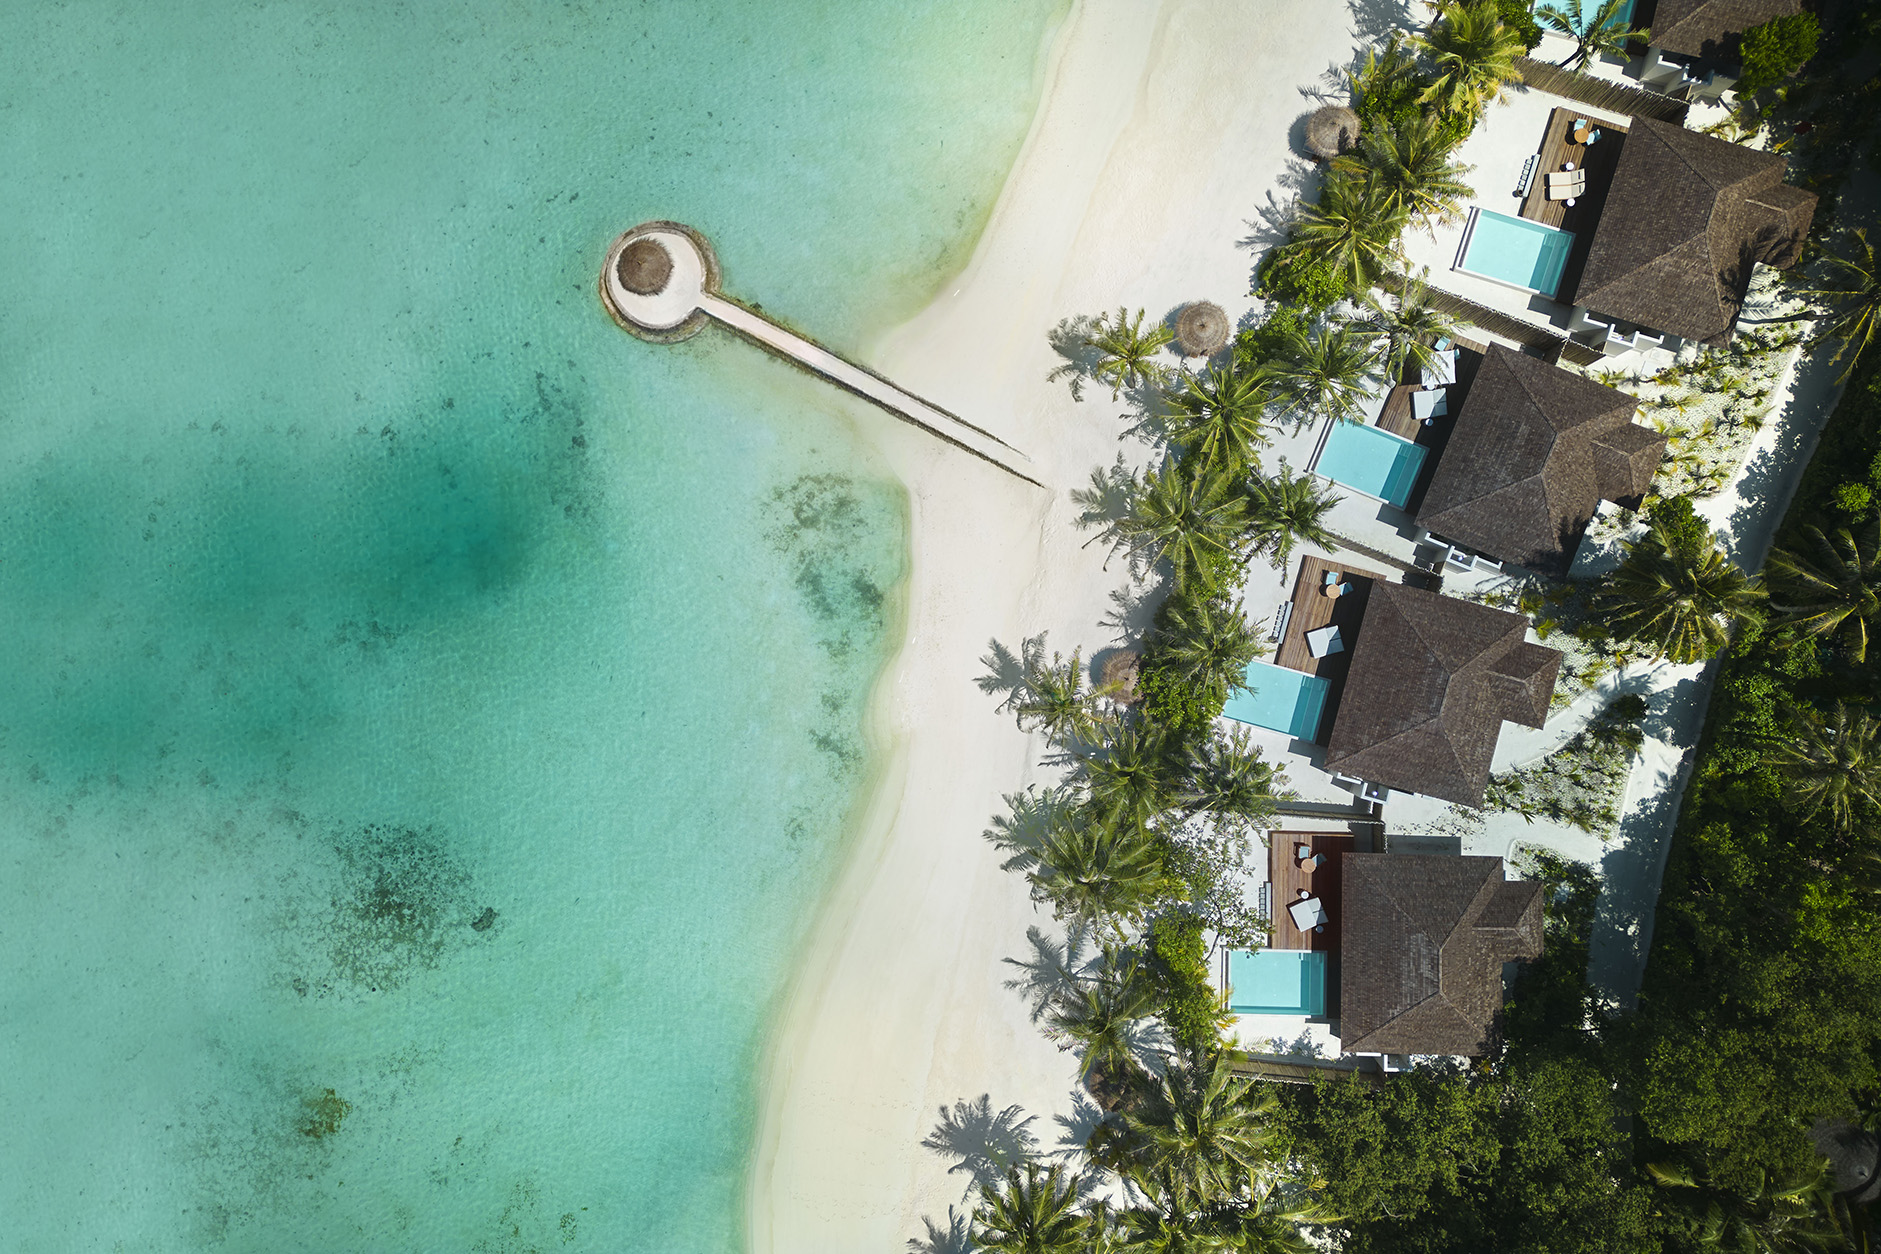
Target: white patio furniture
1430, 403
1441, 372
1308, 914
1324, 641
1281, 619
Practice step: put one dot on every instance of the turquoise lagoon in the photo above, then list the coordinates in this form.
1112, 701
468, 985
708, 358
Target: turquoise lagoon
431, 716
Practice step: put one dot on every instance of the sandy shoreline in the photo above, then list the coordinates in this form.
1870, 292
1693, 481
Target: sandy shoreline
1163, 129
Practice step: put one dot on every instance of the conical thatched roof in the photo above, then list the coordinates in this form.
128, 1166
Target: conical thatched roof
1202, 329
644, 267
1331, 131
1120, 675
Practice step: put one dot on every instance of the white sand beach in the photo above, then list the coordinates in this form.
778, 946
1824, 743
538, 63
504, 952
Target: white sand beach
1164, 132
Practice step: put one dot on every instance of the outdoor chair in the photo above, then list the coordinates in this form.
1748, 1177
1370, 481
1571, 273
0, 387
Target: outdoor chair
1324, 642
1429, 404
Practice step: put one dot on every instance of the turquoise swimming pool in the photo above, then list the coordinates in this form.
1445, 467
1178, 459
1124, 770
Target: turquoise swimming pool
1372, 460
1585, 9
1280, 700
1515, 251
1277, 982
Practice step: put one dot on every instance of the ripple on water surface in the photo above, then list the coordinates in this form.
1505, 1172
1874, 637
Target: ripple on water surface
431, 716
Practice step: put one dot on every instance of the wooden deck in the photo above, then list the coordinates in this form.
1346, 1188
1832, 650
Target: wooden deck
1289, 878
1313, 609
1396, 416
1557, 149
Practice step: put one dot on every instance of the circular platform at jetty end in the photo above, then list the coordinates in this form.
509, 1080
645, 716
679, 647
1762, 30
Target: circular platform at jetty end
655, 278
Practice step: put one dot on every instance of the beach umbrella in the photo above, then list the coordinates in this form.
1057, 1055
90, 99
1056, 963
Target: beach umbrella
644, 267
1120, 675
1331, 131
1202, 329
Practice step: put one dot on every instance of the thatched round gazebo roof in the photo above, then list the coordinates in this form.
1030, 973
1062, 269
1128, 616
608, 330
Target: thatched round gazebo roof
644, 267
1202, 329
1120, 675
1331, 131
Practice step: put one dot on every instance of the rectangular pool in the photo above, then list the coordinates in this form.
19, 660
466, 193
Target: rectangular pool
1277, 982
1515, 251
1372, 460
1280, 700
1582, 10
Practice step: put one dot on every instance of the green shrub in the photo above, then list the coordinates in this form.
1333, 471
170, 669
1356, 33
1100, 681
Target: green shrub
1682, 527
1184, 709
1874, 473
1853, 498
1293, 276
1179, 966
1520, 16
1776, 50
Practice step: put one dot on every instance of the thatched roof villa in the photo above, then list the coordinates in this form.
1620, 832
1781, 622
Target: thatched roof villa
1707, 28
1431, 681
1423, 940
1534, 451
1686, 220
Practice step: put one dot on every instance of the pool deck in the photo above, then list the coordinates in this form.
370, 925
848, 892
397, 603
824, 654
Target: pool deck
1598, 159
1289, 878
1313, 609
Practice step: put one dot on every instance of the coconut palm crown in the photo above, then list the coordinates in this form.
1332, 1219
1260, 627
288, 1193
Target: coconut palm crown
1127, 352
1603, 32
1473, 54
1410, 166
1832, 766
1851, 291
1678, 595
1829, 583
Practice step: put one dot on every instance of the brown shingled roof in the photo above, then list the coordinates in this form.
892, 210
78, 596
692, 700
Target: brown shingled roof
1687, 218
1709, 28
1422, 943
1534, 451
1431, 681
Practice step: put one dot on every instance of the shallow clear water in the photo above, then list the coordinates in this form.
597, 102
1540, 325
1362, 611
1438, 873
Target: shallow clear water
431, 716
1277, 982
1516, 251
1280, 700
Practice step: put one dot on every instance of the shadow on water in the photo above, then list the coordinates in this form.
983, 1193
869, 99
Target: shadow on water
1635, 863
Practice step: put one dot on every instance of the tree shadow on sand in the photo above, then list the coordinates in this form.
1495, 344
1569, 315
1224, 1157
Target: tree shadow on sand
984, 1143
1374, 20
953, 1237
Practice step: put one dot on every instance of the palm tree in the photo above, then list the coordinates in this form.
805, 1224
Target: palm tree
1474, 54
1192, 522
1831, 765
1353, 228
1406, 327
1206, 643
1789, 1214
1410, 166
1286, 510
1095, 869
1204, 1125
1830, 584
1853, 296
1054, 699
1103, 1018
1034, 1213
1680, 596
1227, 775
1219, 416
1324, 372
1128, 779
1600, 33
1126, 352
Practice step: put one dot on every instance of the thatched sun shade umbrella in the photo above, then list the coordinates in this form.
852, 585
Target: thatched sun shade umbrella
1331, 131
644, 267
1120, 675
1202, 329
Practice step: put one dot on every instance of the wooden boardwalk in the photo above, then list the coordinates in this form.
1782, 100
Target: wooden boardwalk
1289, 878
1396, 416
